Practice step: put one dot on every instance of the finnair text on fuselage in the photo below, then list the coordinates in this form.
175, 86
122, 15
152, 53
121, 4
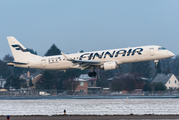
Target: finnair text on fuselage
91, 56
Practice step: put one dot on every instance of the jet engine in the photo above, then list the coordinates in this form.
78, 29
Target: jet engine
109, 65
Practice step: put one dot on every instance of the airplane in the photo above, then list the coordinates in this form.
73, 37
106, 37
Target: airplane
104, 59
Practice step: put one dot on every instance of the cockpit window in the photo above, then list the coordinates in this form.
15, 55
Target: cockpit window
161, 48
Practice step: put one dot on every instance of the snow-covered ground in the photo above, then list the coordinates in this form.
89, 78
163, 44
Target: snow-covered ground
90, 107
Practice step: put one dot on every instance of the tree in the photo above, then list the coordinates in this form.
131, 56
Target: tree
160, 87
4, 69
159, 69
168, 70
102, 77
126, 82
8, 58
71, 85
81, 51
53, 51
68, 79
49, 80
32, 51
174, 65
147, 87
154, 87
13, 82
142, 68
166, 65
117, 85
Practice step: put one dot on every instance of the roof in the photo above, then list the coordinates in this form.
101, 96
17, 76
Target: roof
32, 75
94, 79
80, 80
162, 78
129, 75
85, 77
93, 87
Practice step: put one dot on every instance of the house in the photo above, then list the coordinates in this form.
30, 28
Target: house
34, 77
87, 84
169, 80
82, 87
2, 82
92, 86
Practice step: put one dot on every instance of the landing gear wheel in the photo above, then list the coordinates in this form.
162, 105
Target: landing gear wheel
92, 74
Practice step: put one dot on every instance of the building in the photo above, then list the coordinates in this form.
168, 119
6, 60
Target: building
34, 77
169, 80
82, 87
87, 84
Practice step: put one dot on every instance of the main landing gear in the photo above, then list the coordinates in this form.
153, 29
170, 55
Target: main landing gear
92, 74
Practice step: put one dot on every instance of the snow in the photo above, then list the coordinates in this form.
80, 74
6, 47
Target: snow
90, 107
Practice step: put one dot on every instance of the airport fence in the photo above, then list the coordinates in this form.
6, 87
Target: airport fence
47, 92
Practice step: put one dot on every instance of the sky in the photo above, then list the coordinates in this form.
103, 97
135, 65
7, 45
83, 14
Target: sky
89, 25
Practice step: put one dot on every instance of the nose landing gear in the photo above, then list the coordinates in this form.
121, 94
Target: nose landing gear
156, 63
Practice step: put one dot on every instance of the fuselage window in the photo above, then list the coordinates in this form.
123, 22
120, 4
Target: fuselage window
161, 48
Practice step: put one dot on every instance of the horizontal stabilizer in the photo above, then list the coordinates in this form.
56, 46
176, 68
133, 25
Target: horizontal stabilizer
17, 63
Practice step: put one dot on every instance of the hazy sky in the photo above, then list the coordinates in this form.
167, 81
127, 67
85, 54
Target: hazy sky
89, 25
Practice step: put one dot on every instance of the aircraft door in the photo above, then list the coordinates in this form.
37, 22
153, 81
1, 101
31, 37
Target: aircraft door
43, 62
152, 51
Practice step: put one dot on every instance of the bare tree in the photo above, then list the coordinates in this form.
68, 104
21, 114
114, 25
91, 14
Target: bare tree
71, 85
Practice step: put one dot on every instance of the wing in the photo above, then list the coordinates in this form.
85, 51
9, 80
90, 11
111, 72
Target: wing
84, 64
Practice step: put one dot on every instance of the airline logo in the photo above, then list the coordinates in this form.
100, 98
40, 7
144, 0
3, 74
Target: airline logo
130, 52
18, 47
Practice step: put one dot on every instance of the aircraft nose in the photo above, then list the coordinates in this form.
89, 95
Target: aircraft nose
171, 54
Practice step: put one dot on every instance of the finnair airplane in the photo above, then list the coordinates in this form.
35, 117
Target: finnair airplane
105, 59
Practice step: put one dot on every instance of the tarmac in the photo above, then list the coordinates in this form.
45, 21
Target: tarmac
68, 117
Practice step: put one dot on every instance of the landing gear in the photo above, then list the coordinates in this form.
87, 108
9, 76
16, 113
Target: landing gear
92, 74
156, 63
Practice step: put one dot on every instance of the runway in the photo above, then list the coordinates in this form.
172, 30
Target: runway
128, 117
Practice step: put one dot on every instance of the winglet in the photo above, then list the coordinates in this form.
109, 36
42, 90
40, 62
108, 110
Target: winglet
65, 56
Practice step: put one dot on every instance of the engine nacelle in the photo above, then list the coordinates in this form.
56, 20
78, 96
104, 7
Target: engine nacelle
110, 65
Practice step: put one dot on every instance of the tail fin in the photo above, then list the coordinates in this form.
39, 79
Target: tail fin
19, 52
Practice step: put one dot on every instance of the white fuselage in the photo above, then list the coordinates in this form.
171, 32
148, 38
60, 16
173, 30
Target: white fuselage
120, 56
